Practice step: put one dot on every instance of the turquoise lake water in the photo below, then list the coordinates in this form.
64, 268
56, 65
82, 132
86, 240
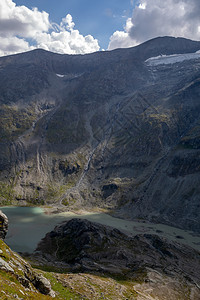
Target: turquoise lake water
28, 225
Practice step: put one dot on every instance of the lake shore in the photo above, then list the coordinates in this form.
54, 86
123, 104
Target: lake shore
132, 227
40, 220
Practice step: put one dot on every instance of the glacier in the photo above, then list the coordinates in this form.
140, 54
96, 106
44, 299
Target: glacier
172, 59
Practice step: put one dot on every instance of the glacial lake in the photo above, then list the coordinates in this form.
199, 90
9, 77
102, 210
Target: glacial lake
28, 225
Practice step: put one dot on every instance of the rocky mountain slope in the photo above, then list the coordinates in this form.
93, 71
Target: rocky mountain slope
161, 269
109, 129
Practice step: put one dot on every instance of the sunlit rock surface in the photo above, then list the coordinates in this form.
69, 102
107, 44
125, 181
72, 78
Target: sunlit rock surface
3, 225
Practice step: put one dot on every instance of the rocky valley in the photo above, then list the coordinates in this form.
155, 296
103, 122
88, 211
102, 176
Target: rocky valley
110, 130
117, 131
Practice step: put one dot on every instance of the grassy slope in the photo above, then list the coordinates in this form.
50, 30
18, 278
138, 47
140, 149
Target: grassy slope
76, 286
66, 285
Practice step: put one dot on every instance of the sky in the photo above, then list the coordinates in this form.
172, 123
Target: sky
85, 26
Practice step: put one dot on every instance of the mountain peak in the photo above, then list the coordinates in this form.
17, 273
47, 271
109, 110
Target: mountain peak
167, 45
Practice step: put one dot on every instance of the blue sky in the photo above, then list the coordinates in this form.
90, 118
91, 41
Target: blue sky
85, 26
98, 18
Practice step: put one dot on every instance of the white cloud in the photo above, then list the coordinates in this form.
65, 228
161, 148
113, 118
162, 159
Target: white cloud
152, 18
122, 39
13, 45
66, 39
119, 39
21, 21
19, 24
142, 5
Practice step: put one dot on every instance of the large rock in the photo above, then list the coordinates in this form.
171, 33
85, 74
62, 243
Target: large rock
3, 225
43, 285
85, 246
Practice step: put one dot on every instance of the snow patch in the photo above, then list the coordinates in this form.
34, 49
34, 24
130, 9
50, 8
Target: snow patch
60, 75
70, 76
172, 59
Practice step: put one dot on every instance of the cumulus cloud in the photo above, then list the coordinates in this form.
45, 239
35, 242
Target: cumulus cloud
19, 25
65, 39
122, 39
13, 45
20, 20
152, 18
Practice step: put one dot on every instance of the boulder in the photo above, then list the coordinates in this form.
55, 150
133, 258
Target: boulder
3, 225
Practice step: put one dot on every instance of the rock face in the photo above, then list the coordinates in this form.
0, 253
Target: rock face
85, 246
22, 273
3, 225
115, 129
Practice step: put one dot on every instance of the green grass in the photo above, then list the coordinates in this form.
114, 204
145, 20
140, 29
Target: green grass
62, 291
10, 286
